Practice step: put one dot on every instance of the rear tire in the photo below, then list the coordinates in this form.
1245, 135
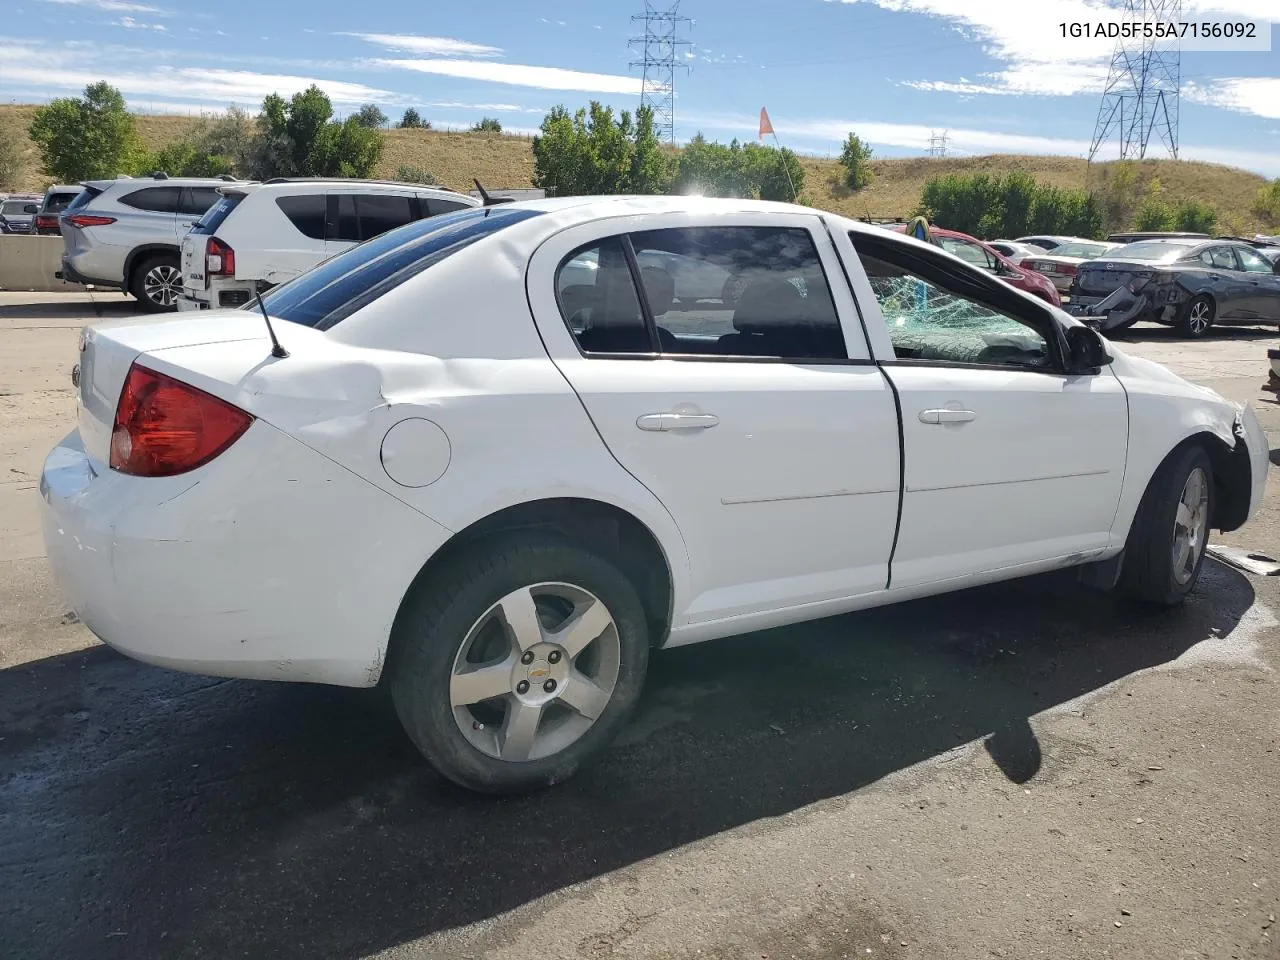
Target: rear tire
1197, 317
1166, 545
503, 704
156, 283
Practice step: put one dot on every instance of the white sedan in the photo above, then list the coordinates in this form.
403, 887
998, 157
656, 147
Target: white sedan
495, 481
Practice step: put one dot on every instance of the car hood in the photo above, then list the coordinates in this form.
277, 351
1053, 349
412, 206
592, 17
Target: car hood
1126, 365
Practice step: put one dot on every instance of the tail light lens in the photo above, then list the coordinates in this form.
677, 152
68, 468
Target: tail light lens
1068, 270
165, 427
45, 220
89, 220
219, 259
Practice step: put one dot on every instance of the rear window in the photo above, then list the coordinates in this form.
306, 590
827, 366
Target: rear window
306, 212
155, 199
196, 200
212, 219
82, 200
355, 278
1156, 251
57, 202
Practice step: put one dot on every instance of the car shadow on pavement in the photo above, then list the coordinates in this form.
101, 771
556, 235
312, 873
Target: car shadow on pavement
147, 813
1158, 333
103, 305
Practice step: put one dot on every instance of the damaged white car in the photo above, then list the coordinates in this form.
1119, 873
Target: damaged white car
496, 481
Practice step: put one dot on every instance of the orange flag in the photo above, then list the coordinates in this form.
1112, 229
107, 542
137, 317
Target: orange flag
765, 125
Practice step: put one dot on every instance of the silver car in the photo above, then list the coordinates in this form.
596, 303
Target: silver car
127, 233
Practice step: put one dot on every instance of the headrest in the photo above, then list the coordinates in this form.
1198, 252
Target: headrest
660, 288
766, 304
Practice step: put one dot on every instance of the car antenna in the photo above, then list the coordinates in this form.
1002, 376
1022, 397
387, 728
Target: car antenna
488, 200
276, 349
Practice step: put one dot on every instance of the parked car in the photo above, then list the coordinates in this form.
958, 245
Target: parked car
1015, 251
985, 257
1189, 284
1060, 263
56, 200
1134, 237
17, 213
126, 233
260, 235
1270, 253
476, 482
1044, 241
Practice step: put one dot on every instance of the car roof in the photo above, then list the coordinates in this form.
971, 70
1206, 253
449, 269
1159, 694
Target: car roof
160, 182
302, 184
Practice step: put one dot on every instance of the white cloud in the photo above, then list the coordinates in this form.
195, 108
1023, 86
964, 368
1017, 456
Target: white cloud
430, 46
520, 75
129, 23
195, 83
492, 107
111, 6
1256, 95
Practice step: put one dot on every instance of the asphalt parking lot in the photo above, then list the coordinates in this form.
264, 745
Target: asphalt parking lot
1026, 770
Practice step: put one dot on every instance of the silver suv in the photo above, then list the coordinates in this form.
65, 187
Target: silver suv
127, 234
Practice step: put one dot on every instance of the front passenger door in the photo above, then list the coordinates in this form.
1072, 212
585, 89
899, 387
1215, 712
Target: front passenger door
1010, 462
1264, 284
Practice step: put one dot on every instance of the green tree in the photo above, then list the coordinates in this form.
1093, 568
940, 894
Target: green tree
1009, 206
1154, 214
371, 116
1267, 203
591, 152
408, 173
86, 138
772, 173
855, 157
487, 125
1195, 217
184, 158
412, 120
230, 135
299, 139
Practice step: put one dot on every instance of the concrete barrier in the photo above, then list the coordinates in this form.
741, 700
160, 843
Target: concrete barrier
28, 263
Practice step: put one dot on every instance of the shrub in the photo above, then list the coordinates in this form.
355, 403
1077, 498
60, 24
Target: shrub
487, 125
855, 157
1267, 203
86, 138
413, 121
408, 173
1195, 217
591, 152
371, 116
1011, 206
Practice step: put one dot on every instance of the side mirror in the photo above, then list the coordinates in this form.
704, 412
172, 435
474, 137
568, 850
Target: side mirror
1086, 350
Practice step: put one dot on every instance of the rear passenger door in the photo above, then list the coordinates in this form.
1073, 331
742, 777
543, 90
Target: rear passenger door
356, 217
758, 418
160, 223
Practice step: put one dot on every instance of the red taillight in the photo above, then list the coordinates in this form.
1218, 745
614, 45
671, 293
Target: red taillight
45, 220
219, 259
1067, 270
164, 426
89, 220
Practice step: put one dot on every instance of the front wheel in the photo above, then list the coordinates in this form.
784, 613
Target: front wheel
1197, 317
1166, 545
518, 662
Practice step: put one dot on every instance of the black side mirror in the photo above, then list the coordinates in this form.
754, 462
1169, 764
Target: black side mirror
1086, 350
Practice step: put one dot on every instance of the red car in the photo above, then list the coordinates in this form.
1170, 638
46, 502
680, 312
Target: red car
988, 258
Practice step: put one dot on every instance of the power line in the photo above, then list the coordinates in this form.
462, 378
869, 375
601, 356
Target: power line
1141, 95
661, 50
937, 143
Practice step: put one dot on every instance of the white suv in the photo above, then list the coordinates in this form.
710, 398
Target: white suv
260, 235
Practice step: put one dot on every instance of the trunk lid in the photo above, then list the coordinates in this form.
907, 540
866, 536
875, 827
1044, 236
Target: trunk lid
107, 350
1100, 277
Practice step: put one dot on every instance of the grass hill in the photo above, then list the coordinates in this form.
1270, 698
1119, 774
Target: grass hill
507, 161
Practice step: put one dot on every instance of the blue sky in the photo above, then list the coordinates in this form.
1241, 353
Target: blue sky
995, 74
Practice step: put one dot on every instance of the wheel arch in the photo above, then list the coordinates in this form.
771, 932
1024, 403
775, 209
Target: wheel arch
1232, 476
140, 253
603, 527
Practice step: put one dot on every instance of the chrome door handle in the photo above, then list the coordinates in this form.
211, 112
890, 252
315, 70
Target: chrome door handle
676, 421
947, 415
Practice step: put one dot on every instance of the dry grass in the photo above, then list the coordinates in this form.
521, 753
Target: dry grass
504, 161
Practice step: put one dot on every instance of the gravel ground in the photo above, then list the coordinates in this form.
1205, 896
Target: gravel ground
1027, 770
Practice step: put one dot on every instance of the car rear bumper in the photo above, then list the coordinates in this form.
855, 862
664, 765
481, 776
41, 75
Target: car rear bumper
271, 562
221, 294
70, 274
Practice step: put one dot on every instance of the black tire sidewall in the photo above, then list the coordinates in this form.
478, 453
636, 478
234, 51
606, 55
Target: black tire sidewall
1151, 541
436, 618
1184, 322
136, 285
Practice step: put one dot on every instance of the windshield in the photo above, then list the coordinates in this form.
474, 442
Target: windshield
355, 278
1156, 251
1086, 251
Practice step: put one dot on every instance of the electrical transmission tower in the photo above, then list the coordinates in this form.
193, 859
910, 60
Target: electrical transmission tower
1141, 95
938, 144
661, 51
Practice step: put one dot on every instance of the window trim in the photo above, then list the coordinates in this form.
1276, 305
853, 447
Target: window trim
650, 322
1035, 315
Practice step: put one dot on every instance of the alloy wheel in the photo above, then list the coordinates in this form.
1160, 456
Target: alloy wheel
161, 283
1200, 317
535, 672
1190, 526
